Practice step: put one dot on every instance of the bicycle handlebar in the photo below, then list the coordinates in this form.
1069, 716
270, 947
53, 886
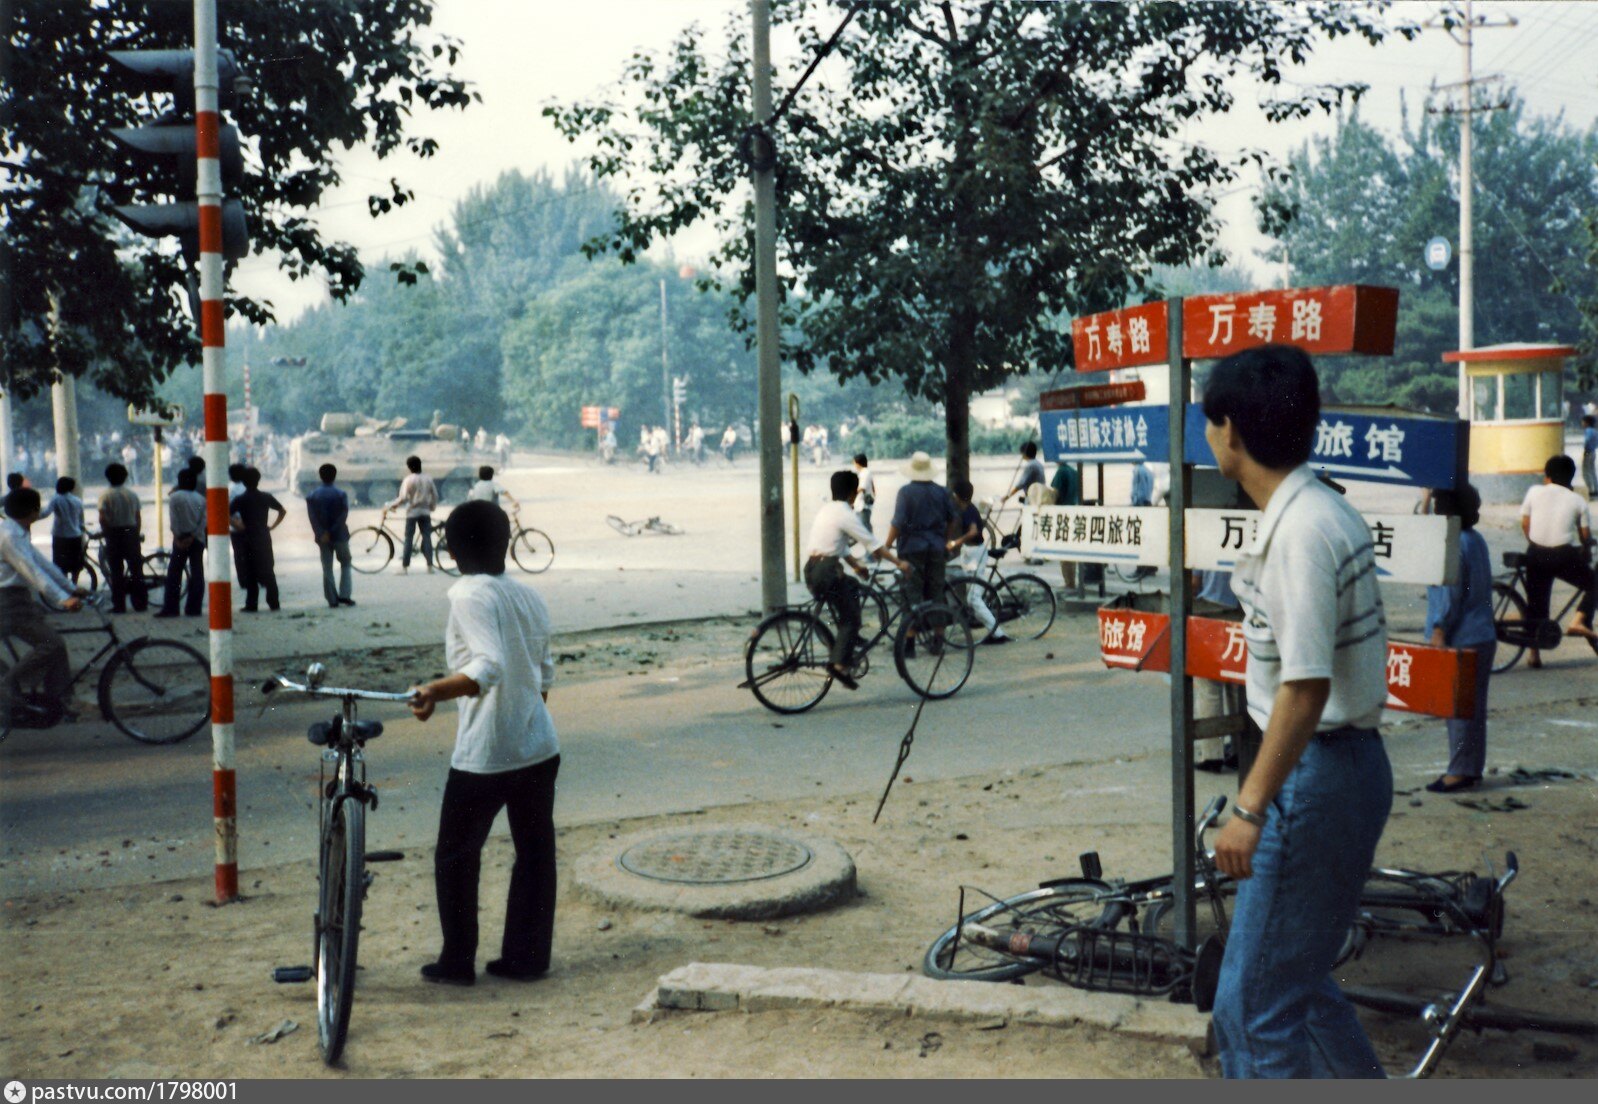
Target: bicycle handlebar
283, 682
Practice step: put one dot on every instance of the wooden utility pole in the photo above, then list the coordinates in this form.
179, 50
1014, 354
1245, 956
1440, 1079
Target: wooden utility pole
773, 586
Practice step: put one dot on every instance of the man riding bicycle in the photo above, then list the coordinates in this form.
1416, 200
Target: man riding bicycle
836, 525
24, 572
1554, 519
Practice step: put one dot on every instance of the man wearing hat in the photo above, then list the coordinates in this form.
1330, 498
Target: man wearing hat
924, 518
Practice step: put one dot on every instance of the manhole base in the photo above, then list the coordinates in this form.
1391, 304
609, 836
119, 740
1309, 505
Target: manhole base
734, 872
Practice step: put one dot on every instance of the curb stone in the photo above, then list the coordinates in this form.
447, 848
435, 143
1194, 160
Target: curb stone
717, 987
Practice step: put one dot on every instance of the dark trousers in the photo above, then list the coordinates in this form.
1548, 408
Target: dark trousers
190, 561
471, 802
67, 554
45, 666
125, 566
256, 568
828, 579
412, 524
1568, 563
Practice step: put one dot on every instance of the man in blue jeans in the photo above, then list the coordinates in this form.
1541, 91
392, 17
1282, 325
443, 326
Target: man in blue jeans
1310, 812
329, 510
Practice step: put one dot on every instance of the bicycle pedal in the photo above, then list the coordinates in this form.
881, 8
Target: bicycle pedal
384, 856
285, 975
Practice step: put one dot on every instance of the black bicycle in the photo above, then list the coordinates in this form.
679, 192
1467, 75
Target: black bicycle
153, 691
1512, 621
786, 660
342, 879
372, 547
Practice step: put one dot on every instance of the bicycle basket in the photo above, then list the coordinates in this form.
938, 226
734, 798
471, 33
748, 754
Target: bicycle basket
1134, 963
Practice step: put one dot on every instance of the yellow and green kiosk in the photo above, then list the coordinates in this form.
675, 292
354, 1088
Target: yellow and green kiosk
1517, 406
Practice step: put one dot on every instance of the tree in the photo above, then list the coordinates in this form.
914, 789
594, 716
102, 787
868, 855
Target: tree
971, 173
1359, 206
324, 75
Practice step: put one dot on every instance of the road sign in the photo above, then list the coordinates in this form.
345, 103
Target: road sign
593, 416
1438, 682
1102, 394
1438, 254
1129, 338
1348, 318
142, 416
1408, 548
1372, 444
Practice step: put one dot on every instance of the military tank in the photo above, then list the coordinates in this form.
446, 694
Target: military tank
370, 456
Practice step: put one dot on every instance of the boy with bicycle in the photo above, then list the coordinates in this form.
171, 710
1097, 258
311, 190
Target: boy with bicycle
497, 644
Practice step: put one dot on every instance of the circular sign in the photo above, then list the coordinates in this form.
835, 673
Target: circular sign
1438, 254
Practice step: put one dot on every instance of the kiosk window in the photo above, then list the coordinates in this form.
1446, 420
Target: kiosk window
1520, 396
1484, 396
1551, 403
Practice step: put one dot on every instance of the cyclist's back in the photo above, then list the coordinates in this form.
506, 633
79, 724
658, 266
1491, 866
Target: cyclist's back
1558, 529
24, 573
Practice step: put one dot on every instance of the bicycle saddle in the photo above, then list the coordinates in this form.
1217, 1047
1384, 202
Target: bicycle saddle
1514, 559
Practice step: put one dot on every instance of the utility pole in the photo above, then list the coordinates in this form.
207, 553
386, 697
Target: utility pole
64, 407
1461, 29
763, 163
665, 362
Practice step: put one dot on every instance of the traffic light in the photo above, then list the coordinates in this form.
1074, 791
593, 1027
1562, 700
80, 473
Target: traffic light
163, 154
679, 389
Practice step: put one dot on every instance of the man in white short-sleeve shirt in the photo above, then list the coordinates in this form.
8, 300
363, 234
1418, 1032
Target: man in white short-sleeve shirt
1311, 811
1558, 529
835, 528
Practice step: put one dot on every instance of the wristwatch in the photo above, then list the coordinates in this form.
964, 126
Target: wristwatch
1248, 816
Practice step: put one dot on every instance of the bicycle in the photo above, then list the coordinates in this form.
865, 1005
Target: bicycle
152, 690
1024, 602
786, 659
1512, 623
649, 525
341, 877
372, 547
152, 566
531, 548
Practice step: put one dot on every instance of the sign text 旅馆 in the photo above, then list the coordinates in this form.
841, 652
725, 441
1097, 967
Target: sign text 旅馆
1407, 548
1438, 682
1371, 444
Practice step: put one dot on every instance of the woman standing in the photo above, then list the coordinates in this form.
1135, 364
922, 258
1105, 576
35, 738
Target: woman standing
1461, 616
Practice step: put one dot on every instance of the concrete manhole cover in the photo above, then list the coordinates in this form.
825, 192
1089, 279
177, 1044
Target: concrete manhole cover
721, 857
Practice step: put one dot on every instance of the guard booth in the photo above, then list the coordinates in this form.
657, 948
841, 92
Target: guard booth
1517, 406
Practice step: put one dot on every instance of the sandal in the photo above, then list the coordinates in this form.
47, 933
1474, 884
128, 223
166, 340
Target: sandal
1441, 784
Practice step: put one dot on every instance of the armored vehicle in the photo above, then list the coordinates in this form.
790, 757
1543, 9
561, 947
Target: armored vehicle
370, 456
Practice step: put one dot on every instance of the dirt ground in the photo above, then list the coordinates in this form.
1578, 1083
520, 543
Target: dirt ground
151, 980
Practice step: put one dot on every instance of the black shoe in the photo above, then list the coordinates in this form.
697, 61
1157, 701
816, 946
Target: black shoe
346, 601
439, 975
332, 605
909, 649
512, 972
249, 609
843, 678
998, 638
1441, 785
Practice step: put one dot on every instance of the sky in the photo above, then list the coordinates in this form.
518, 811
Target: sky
522, 54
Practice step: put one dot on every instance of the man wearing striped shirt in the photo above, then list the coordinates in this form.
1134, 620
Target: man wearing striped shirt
1311, 811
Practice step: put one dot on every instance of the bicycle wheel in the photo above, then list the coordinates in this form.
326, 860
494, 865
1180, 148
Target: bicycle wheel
969, 594
875, 618
370, 549
1038, 911
156, 691
933, 650
338, 923
1497, 1017
786, 662
154, 567
533, 551
442, 556
1026, 606
1510, 607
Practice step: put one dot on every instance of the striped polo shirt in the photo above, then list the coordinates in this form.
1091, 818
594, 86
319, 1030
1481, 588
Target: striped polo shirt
1311, 605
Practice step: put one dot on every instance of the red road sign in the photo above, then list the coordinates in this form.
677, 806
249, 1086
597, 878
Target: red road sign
1438, 682
593, 416
1101, 394
1348, 318
1129, 338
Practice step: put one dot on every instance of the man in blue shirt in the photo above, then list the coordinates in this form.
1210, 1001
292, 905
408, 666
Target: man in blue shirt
924, 519
66, 528
329, 509
1589, 454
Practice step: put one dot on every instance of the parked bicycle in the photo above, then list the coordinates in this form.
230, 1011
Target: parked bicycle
372, 547
342, 879
1021, 602
153, 691
1116, 937
648, 525
97, 564
531, 548
1512, 622
786, 659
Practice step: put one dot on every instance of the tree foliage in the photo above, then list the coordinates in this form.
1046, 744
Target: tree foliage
1360, 205
326, 75
960, 175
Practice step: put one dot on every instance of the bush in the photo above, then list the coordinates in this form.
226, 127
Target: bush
902, 434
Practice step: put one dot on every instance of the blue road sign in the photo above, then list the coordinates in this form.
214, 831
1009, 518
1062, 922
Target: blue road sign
1438, 254
1370, 445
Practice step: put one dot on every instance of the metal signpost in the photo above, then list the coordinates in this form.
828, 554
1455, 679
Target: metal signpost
1368, 444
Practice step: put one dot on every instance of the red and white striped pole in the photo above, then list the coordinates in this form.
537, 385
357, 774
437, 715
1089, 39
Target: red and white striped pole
218, 560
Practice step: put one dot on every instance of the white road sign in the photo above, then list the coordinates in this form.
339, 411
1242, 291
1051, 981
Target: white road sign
1409, 548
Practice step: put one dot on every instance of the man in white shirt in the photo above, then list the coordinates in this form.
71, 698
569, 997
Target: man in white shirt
867, 496
1311, 811
419, 497
497, 645
24, 573
835, 528
1558, 532
489, 489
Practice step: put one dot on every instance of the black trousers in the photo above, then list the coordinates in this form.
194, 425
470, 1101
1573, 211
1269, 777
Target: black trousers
67, 554
828, 579
190, 561
256, 568
471, 802
1544, 564
125, 564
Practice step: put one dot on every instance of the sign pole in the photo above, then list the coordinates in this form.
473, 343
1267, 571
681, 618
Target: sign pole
793, 431
773, 589
218, 558
1182, 864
